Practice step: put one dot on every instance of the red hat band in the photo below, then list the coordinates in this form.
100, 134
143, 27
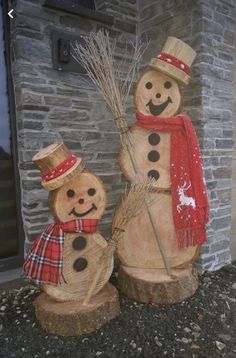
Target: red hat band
172, 60
60, 169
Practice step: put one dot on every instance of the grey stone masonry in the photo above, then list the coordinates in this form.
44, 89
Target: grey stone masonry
52, 105
209, 27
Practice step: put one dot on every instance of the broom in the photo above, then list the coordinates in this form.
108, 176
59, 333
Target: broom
97, 56
131, 205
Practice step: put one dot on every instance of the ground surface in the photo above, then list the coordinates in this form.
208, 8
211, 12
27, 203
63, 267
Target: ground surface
202, 326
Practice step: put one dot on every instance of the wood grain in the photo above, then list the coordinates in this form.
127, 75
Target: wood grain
73, 318
50, 157
155, 286
140, 152
61, 202
157, 93
179, 50
77, 283
138, 247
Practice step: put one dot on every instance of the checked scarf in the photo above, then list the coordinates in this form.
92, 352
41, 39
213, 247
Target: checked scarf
44, 261
189, 193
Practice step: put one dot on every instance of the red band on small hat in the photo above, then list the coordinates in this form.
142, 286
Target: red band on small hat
60, 169
172, 60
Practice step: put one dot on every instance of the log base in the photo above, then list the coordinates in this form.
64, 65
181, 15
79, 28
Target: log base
155, 286
74, 318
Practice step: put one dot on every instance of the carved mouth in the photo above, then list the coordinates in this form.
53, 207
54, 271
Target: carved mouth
156, 109
80, 215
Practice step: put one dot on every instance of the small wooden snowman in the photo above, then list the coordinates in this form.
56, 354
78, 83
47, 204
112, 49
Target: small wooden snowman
66, 257
165, 148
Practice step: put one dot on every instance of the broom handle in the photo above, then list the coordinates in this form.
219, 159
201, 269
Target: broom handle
161, 247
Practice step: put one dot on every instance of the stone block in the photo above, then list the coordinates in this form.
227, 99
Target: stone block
222, 172
33, 50
223, 257
224, 143
224, 196
33, 125
229, 37
221, 223
84, 25
219, 246
62, 115
30, 98
126, 26
38, 89
34, 107
58, 101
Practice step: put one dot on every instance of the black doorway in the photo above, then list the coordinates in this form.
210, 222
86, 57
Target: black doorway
11, 238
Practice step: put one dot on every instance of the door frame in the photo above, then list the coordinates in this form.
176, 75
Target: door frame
16, 260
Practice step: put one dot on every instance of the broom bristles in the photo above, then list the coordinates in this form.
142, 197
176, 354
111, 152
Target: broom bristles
97, 56
132, 203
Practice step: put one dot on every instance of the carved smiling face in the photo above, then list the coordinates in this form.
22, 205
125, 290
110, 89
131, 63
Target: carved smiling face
81, 197
157, 94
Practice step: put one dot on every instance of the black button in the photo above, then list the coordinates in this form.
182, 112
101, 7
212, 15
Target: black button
154, 138
153, 156
153, 174
80, 264
79, 243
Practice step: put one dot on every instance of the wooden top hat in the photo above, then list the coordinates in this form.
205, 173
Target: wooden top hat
175, 60
57, 165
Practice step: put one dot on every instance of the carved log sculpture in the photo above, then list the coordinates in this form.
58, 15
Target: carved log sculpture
165, 148
66, 257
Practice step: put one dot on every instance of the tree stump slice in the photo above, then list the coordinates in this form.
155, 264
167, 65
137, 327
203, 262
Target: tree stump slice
74, 318
155, 286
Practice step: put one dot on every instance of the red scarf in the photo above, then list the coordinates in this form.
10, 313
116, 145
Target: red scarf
44, 261
189, 193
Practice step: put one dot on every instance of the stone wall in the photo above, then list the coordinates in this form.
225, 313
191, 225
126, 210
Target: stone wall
52, 105
208, 26
233, 197
218, 43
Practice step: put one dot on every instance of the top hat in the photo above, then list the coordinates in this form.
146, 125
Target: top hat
175, 60
57, 165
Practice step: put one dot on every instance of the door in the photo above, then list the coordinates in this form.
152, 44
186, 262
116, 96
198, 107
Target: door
10, 245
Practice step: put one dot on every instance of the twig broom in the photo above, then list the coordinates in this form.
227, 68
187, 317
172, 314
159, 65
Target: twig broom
97, 56
131, 205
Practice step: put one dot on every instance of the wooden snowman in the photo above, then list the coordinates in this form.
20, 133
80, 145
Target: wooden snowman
165, 148
66, 257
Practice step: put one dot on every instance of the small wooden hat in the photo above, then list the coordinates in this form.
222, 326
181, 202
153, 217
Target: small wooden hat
175, 60
57, 165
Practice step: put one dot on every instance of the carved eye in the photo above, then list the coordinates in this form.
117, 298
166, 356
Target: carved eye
167, 84
70, 193
91, 192
148, 85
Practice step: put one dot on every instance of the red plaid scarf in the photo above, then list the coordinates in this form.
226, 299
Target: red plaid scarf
189, 193
43, 263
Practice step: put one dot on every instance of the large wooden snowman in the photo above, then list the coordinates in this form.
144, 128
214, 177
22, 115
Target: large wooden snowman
165, 148
66, 257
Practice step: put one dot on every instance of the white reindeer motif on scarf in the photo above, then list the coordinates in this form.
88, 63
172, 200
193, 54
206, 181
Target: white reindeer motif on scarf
184, 199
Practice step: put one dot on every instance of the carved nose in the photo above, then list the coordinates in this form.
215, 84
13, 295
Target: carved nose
81, 201
158, 95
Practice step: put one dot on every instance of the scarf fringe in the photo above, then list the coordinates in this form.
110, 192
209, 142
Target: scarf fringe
52, 280
190, 237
